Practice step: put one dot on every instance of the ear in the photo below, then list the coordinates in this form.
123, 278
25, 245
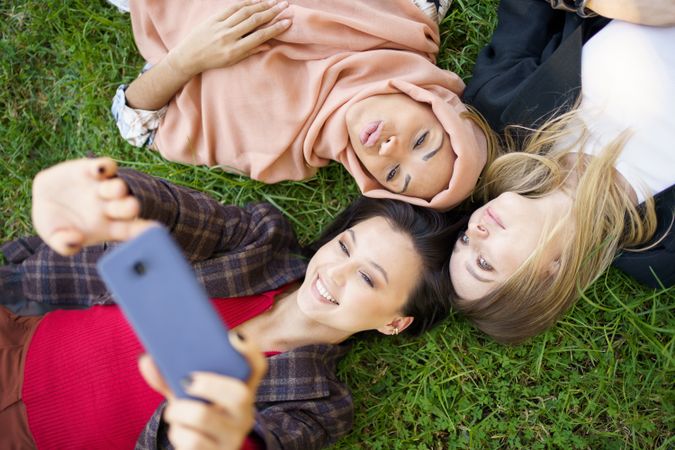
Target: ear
400, 324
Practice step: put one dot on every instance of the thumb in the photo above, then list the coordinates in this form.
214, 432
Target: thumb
152, 376
66, 241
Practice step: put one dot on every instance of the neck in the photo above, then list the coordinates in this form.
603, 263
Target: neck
285, 327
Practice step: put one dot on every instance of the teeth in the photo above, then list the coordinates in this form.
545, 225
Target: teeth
324, 292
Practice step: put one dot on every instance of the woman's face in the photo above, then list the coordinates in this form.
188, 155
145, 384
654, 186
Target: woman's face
361, 279
499, 238
401, 143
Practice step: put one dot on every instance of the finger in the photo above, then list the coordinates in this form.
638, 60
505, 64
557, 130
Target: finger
232, 9
112, 189
248, 44
151, 375
253, 355
123, 230
257, 20
126, 208
66, 242
205, 418
248, 11
102, 168
231, 395
184, 438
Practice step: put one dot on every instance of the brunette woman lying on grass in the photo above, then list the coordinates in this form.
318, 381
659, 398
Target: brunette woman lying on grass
71, 378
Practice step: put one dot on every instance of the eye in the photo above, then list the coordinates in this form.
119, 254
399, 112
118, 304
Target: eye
484, 265
367, 279
392, 173
463, 238
343, 247
421, 139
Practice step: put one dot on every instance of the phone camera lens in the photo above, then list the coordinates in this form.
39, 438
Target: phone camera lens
139, 268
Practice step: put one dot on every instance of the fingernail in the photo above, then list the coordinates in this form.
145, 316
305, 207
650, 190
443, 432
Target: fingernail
284, 23
186, 381
281, 5
271, 2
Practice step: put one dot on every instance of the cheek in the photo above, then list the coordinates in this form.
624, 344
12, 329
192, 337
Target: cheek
370, 162
513, 251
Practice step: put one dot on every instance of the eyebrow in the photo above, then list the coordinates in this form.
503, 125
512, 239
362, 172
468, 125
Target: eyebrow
376, 265
426, 157
405, 184
380, 269
432, 153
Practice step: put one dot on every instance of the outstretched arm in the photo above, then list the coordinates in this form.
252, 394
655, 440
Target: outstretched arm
646, 12
225, 38
255, 245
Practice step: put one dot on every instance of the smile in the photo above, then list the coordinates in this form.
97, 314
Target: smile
371, 133
324, 292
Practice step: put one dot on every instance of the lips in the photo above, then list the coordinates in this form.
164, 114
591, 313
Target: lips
495, 218
371, 133
324, 295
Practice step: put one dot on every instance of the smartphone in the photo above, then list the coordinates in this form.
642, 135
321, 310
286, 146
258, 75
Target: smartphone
169, 310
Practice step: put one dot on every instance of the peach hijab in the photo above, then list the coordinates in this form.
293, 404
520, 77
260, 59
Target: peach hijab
280, 115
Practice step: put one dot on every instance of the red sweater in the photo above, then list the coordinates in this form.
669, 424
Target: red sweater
81, 379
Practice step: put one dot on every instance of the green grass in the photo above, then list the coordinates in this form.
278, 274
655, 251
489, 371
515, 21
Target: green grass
602, 378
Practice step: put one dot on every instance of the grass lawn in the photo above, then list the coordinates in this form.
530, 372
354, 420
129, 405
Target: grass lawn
597, 380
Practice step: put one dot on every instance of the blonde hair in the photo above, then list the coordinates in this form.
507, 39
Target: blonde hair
603, 215
491, 140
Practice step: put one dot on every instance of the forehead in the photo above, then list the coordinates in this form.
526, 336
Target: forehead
392, 249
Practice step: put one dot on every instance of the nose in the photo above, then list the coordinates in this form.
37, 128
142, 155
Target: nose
389, 146
337, 272
476, 230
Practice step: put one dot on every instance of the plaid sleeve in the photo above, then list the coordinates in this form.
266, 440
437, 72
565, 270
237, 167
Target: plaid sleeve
307, 424
36, 273
235, 251
300, 402
154, 435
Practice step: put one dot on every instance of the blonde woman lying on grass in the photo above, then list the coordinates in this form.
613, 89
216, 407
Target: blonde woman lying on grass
581, 190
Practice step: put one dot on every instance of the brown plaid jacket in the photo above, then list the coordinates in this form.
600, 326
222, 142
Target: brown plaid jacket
234, 251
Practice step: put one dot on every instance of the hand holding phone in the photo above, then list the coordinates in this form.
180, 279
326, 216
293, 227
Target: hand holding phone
170, 311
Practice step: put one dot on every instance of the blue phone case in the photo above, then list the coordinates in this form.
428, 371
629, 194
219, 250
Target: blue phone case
170, 311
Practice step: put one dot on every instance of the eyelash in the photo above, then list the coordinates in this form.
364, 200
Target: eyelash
483, 264
421, 140
480, 261
364, 275
367, 279
392, 173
